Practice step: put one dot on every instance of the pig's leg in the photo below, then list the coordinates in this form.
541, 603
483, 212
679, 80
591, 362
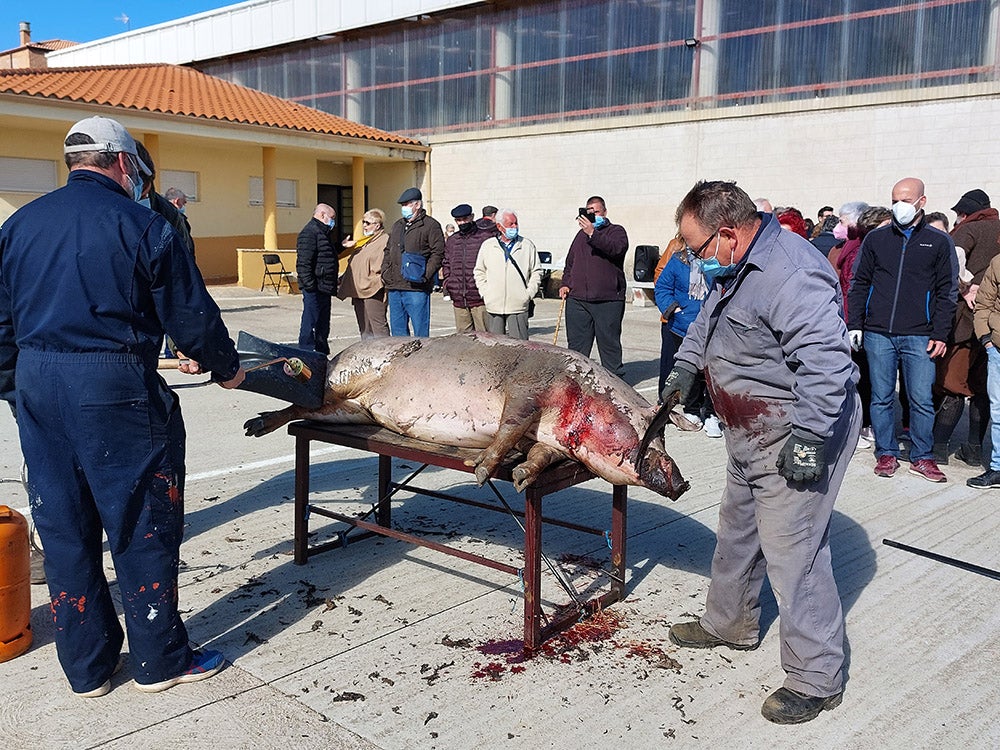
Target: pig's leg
520, 413
539, 456
269, 421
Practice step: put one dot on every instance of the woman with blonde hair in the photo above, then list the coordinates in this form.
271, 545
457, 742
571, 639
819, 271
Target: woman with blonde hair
362, 279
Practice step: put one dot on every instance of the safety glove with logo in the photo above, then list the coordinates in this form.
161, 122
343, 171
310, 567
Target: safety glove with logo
802, 458
679, 381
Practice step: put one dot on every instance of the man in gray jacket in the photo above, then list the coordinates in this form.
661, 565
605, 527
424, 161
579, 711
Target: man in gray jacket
773, 345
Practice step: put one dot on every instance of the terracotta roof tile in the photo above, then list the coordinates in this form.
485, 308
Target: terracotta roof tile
54, 44
177, 90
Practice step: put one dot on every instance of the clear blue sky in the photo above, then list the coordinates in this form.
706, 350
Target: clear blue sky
86, 20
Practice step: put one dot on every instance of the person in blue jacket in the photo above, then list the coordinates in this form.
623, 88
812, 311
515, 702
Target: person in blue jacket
679, 291
90, 280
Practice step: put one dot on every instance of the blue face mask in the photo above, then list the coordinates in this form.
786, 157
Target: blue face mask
407, 212
182, 209
600, 221
711, 269
331, 223
510, 233
144, 202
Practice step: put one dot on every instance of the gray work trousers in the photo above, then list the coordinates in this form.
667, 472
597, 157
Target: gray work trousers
770, 525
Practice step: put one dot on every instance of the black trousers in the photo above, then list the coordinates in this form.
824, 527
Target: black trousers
586, 321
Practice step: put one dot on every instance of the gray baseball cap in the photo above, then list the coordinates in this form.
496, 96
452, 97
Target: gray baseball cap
109, 137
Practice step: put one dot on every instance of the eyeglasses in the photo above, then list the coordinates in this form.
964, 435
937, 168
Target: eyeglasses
697, 253
369, 223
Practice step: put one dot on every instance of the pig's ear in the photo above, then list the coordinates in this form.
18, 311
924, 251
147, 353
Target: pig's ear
656, 425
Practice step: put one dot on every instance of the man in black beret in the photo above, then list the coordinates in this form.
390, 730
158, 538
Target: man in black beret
461, 251
412, 259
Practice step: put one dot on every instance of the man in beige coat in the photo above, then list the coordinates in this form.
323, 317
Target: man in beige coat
508, 276
987, 323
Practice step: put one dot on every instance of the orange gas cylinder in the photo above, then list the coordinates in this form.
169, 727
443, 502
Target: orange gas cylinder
15, 584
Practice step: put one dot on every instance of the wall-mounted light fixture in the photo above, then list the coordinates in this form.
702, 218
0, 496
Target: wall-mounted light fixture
692, 42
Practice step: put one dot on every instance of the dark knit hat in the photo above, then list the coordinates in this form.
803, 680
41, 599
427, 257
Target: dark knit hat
972, 201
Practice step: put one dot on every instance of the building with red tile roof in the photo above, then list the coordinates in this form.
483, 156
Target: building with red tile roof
253, 165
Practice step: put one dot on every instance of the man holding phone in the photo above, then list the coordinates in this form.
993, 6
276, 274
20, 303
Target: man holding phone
594, 286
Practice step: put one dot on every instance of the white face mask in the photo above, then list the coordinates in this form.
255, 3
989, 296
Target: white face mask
904, 212
367, 232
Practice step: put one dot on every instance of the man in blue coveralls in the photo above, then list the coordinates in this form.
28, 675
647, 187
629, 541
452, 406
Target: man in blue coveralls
90, 280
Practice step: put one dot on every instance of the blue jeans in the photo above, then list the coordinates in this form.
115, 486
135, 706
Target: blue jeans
885, 354
993, 389
406, 308
314, 330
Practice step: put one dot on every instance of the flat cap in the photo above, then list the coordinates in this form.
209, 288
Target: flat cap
972, 201
461, 210
489, 211
410, 194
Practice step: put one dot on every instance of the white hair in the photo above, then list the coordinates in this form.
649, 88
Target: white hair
852, 211
504, 213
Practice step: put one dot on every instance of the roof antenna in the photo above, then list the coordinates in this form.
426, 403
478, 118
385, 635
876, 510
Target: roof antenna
125, 20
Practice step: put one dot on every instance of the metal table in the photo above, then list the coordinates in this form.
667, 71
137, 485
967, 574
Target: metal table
388, 445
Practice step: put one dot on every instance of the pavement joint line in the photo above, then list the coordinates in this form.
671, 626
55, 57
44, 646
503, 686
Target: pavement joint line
264, 463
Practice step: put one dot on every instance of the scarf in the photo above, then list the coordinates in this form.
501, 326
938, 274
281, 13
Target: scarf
697, 289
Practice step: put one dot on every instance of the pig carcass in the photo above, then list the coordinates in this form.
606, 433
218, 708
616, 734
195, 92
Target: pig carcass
496, 393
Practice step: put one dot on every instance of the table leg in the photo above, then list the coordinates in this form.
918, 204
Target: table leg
301, 500
619, 520
383, 510
532, 569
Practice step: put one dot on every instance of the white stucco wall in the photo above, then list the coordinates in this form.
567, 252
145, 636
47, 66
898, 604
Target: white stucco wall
802, 159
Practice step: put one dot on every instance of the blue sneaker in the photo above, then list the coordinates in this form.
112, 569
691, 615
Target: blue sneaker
203, 665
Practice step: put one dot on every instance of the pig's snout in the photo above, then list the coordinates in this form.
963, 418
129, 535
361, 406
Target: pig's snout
660, 474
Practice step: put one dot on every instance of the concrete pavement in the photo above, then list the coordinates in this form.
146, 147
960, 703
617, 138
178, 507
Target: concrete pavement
383, 645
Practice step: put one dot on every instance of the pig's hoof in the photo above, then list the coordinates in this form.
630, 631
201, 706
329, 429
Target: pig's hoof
522, 478
257, 426
482, 474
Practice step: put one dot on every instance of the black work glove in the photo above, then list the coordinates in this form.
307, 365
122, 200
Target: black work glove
802, 458
680, 381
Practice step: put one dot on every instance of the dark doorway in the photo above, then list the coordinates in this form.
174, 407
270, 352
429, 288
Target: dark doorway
341, 197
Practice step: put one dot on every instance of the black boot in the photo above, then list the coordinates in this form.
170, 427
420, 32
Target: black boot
785, 706
693, 635
971, 454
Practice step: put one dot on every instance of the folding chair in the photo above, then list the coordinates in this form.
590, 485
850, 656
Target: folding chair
274, 273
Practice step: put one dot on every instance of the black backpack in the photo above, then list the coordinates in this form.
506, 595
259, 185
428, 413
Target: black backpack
646, 258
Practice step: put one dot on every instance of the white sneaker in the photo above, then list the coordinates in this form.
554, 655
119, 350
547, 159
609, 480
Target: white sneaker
866, 439
713, 428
